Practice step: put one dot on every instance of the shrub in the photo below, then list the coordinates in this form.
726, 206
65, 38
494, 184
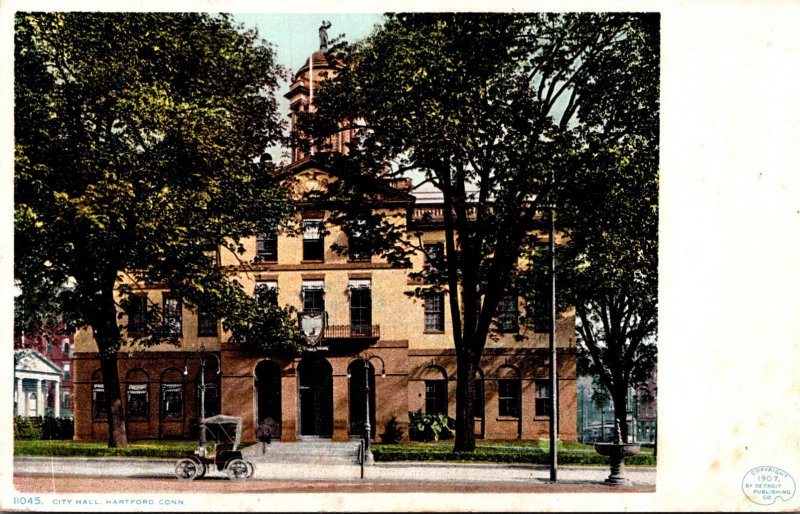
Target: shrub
430, 427
58, 428
392, 433
43, 428
27, 428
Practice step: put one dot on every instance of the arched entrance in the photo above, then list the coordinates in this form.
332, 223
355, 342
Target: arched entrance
358, 404
268, 400
316, 397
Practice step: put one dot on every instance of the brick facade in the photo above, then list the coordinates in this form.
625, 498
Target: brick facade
316, 394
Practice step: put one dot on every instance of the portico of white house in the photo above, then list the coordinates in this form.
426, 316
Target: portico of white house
32, 372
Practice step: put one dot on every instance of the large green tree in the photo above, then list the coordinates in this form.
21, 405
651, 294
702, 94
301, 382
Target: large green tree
136, 141
609, 265
487, 107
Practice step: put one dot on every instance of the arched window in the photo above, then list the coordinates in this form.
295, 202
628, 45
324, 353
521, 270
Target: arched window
171, 398
435, 390
509, 392
137, 395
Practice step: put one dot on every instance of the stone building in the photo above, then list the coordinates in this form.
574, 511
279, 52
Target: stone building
363, 330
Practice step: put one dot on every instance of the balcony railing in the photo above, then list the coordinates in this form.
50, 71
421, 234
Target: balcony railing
352, 332
434, 214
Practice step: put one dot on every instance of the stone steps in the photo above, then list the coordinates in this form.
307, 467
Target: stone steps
320, 452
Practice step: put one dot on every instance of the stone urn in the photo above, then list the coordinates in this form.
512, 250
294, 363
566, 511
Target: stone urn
616, 453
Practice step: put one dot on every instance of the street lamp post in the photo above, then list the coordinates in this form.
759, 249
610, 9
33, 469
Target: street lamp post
201, 443
367, 425
553, 352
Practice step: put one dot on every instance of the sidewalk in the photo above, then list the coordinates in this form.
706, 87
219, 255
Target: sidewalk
394, 472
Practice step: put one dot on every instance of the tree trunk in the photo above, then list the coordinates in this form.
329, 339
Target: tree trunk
465, 403
620, 415
117, 433
108, 338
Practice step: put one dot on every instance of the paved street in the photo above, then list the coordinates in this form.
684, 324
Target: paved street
41, 474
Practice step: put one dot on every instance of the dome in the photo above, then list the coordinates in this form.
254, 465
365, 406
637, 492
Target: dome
320, 60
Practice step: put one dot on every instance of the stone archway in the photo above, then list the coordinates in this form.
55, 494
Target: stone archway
268, 399
358, 375
315, 378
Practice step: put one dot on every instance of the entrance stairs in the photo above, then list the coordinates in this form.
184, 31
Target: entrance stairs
318, 452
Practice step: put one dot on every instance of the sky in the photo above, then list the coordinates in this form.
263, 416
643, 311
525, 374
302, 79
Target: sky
295, 36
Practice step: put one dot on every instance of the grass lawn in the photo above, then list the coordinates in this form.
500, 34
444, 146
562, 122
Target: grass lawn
67, 448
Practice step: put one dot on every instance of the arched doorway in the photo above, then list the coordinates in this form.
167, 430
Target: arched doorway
358, 377
268, 399
316, 397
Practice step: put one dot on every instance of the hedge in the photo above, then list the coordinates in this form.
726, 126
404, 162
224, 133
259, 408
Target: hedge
523, 456
43, 428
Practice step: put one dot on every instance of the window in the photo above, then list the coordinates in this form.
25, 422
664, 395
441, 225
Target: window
436, 397
137, 315
65, 400
313, 240
359, 246
172, 315
65, 366
172, 401
434, 258
434, 312
138, 401
206, 324
507, 313
267, 245
313, 296
360, 306
509, 396
66, 349
543, 398
211, 400
49, 348
267, 292
212, 255
99, 401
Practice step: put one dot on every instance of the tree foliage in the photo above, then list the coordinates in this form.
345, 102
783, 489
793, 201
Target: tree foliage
609, 266
492, 110
135, 139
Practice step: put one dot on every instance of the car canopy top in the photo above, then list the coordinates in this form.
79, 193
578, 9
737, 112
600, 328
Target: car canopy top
224, 429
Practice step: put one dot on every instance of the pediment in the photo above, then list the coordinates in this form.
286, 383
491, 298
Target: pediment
32, 361
313, 180
310, 178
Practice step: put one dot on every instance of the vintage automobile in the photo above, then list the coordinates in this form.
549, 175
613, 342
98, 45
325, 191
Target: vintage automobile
226, 432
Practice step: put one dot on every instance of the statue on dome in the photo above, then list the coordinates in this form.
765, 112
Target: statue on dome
323, 35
